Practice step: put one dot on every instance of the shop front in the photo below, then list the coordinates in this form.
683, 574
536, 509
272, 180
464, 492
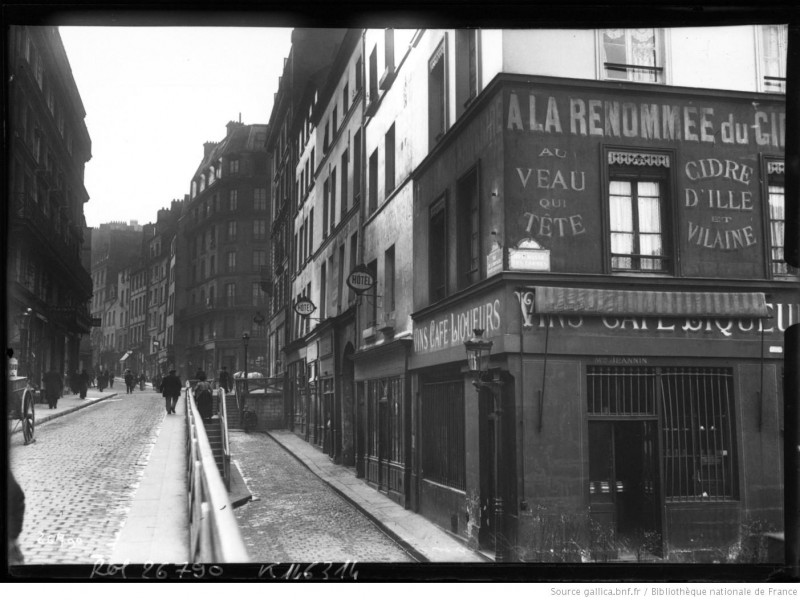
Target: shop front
630, 423
383, 418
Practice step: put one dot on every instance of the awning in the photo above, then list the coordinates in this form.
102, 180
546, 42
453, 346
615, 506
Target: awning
125, 356
582, 301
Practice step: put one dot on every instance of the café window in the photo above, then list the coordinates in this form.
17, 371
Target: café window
638, 212
632, 54
437, 94
777, 219
772, 48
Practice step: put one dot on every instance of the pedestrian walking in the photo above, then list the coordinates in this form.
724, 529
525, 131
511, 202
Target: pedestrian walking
202, 396
142, 381
171, 390
102, 381
74, 382
83, 383
110, 377
53, 387
225, 379
157, 381
129, 381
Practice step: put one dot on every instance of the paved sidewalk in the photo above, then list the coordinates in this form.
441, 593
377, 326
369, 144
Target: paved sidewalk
157, 527
424, 540
69, 404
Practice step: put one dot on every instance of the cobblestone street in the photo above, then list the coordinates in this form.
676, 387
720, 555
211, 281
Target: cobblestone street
296, 517
80, 476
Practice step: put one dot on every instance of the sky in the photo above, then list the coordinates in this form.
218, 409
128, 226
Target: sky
154, 95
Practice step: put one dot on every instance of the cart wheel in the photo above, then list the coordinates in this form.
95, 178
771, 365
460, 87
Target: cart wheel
27, 416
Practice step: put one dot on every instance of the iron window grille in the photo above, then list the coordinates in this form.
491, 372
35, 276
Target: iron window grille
443, 449
695, 407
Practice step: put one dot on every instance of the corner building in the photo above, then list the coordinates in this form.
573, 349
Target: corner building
615, 228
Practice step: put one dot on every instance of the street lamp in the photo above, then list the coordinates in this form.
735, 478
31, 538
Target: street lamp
478, 351
245, 341
156, 346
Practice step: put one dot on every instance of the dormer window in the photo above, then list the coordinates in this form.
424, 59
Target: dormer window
632, 54
233, 166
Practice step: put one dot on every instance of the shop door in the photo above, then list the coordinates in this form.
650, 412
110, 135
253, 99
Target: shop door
623, 490
383, 444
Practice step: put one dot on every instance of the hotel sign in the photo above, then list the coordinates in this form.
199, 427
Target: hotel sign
304, 306
361, 280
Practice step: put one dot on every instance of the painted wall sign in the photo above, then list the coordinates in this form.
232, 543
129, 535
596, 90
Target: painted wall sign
558, 160
540, 112
304, 306
360, 279
453, 328
784, 315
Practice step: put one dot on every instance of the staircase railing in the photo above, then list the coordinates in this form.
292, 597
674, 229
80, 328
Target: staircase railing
226, 449
213, 531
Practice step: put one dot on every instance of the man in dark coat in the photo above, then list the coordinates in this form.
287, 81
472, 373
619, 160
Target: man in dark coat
129, 381
53, 386
83, 383
203, 397
171, 390
225, 380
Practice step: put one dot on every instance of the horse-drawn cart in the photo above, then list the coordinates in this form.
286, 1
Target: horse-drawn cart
21, 400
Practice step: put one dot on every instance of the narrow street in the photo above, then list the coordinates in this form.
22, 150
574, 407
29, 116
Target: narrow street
296, 517
80, 475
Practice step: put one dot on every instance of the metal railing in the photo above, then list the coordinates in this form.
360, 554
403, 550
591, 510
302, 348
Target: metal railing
213, 532
226, 449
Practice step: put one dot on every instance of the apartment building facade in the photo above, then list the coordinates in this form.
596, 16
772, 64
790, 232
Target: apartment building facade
291, 149
222, 243
49, 287
115, 246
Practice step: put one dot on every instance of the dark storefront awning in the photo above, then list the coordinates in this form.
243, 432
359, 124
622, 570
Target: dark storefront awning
125, 356
583, 301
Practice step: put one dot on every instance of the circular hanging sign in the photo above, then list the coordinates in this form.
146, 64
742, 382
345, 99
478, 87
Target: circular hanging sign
304, 306
361, 280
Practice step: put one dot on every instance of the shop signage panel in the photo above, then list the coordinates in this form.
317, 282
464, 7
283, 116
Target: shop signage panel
451, 328
494, 262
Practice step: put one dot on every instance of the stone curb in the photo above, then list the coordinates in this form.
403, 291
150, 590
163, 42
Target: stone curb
68, 411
